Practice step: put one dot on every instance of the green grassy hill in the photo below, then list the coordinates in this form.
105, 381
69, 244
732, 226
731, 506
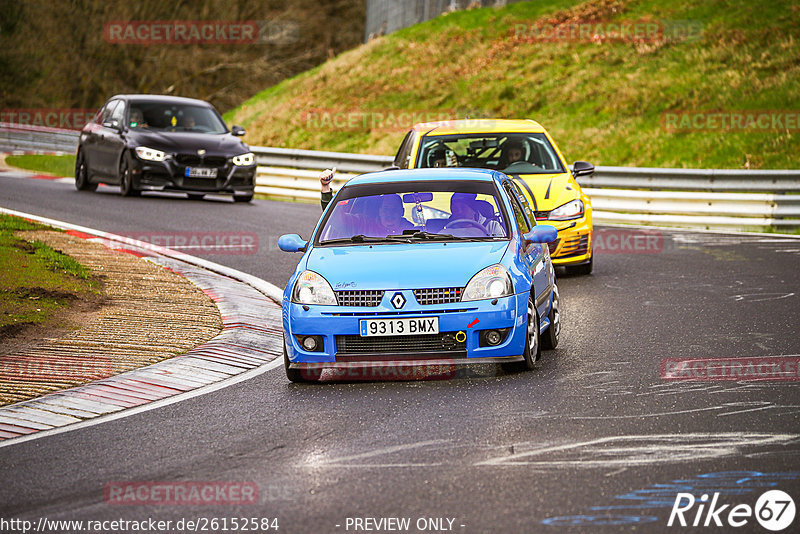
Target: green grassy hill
603, 101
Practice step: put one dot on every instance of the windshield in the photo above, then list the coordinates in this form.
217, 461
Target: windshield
529, 153
170, 117
424, 211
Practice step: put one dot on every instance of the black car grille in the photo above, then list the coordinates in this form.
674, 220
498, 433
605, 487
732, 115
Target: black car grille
201, 161
200, 184
438, 295
358, 297
553, 245
444, 342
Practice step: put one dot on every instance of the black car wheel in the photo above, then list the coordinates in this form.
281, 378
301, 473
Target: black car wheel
299, 375
82, 182
550, 338
126, 188
533, 349
195, 196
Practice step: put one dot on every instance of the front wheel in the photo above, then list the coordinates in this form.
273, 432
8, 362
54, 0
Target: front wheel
550, 337
82, 182
126, 188
533, 350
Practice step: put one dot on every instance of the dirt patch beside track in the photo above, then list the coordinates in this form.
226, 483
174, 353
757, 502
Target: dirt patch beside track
145, 314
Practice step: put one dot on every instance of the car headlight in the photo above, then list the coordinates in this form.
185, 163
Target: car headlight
312, 288
490, 283
150, 154
570, 210
243, 159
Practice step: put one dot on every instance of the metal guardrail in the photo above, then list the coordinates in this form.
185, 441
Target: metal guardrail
37, 138
695, 198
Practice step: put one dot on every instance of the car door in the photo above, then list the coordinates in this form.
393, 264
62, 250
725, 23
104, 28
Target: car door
534, 256
108, 139
90, 138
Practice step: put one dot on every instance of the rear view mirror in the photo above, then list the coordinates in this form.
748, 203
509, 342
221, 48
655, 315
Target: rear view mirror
413, 198
292, 243
542, 233
582, 168
112, 123
238, 131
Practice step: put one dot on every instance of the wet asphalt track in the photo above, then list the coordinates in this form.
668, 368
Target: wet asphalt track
594, 436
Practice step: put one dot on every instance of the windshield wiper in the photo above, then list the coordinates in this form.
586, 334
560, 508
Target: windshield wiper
430, 235
361, 238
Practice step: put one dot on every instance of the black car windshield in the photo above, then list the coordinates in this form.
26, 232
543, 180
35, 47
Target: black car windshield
423, 211
517, 153
170, 117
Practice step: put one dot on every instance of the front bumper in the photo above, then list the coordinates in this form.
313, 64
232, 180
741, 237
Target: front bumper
338, 327
574, 243
169, 175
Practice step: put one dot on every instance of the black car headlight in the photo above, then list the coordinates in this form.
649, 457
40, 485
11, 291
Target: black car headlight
150, 154
243, 160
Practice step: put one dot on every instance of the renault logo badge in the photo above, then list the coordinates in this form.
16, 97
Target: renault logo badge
398, 300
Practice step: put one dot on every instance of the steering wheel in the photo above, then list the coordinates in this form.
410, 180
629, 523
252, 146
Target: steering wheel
519, 165
476, 224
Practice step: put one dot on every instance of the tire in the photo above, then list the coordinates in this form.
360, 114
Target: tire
243, 198
82, 182
550, 337
583, 269
533, 348
299, 376
126, 188
195, 196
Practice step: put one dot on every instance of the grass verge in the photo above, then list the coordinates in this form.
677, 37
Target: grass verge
36, 281
45, 163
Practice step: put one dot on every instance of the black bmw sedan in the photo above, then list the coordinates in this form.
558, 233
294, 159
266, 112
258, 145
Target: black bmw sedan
164, 143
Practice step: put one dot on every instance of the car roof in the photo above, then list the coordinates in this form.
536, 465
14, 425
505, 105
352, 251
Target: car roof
163, 99
415, 175
479, 126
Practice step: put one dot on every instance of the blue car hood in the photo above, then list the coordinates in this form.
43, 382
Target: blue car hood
402, 266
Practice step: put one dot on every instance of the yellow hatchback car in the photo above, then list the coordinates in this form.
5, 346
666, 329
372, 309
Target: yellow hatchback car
523, 150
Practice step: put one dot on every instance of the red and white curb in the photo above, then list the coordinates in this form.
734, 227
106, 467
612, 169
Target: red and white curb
250, 344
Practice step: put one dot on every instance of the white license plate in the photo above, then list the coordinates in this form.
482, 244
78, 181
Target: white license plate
399, 327
200, 172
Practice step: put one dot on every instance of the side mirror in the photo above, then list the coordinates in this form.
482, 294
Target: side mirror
112, 123
292, 243
543, 233
582, 168
238, 131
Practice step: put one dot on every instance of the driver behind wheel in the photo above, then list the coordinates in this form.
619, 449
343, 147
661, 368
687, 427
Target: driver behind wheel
463, 207
512, 152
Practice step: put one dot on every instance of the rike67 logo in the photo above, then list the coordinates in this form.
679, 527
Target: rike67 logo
774, 510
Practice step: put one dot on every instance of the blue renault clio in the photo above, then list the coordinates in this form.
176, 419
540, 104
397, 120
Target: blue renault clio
420, 267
